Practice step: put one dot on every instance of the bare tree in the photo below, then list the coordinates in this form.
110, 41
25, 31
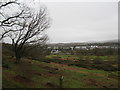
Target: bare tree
28, 29
24, 27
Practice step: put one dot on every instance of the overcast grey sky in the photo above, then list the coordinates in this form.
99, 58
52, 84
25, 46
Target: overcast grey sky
82, 21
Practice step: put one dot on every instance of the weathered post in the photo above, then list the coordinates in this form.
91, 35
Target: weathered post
61, 82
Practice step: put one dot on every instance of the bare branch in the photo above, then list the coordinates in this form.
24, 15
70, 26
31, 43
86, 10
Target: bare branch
8, 3
2, 22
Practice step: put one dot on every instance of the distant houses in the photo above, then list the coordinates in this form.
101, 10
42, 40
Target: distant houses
56, 49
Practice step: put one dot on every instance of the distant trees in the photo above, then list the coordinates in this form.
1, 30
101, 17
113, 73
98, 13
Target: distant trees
97, 51
25, 29
37, 53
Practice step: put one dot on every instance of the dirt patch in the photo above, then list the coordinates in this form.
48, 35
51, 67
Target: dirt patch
82, 68
37, 73
102, 76
56, 64
49, 84
50, 74
70, 59
50, 68
75, 70
91, 82
24, 80
66, 67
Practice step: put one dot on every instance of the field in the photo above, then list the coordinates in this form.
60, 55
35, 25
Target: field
90, 57
40, 74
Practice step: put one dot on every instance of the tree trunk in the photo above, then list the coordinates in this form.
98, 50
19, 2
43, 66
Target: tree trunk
18, 57
17, 60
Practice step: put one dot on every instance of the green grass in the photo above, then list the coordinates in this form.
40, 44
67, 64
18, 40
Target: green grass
9, 71
8, 81
102, 72
63, 56
104, 58
38, 69
42, 81
73, 80
50, 56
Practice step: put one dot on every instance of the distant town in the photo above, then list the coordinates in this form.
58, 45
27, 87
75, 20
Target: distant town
57, 48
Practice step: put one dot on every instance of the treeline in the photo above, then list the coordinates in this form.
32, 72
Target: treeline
32, 51
95, 51
98, 51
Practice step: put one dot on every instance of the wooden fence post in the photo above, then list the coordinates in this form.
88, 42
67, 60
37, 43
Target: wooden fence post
61, 82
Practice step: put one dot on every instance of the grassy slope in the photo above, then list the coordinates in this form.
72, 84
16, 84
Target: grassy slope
91, 57
36, 74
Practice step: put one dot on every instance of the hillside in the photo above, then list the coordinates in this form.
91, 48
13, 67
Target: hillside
37, 74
